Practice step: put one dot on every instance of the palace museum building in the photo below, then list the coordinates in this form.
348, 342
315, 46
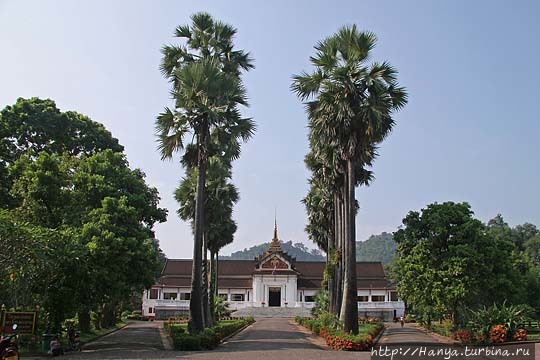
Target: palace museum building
274, 279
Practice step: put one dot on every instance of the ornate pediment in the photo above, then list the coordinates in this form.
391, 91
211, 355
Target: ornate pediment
275, 263
275, 258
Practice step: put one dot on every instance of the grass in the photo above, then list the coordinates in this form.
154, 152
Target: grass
364, 329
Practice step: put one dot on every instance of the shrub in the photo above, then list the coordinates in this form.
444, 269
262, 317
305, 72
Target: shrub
520, 335
510, 316
498, 334
221, 308
176, 329
337, 339
209, 338
464, 336
322, 304
187, 342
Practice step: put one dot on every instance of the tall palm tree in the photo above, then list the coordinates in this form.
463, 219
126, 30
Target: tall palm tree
221, 196
206, 87
351, 112
205, 98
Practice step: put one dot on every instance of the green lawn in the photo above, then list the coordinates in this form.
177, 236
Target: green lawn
364, 329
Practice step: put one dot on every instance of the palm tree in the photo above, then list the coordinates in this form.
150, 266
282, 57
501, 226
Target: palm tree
352, 113
205, 75
220, 227
205, 99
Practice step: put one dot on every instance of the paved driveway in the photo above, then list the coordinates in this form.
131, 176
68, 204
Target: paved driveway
410, 335
268, 338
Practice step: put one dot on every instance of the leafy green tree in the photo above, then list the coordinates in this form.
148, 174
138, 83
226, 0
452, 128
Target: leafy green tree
447, 261
34, 125
532, 249
39, 266
351, 112
207, 90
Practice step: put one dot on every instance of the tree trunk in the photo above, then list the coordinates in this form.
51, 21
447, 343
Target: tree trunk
345, 249
339, 256
84, 320
196, 321
206, 303
108, 315
212, 292
350, 320
331, 259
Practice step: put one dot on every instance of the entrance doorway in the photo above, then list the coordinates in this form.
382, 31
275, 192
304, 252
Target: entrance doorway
274, 296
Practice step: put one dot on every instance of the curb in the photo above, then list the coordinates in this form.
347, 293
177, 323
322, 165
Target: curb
379, 336
104, 335
236, 332
314, 339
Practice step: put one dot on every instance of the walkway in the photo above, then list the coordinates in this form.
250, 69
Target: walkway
273, 338
410, 335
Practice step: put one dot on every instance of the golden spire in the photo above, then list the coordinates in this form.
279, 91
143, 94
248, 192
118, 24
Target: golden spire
274, 245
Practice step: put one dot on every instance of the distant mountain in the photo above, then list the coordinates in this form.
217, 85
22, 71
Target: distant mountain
377, 248
298, 250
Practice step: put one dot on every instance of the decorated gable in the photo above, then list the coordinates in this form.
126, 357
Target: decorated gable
274, 262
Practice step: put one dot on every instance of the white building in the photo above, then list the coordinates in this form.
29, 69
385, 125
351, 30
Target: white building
273, 279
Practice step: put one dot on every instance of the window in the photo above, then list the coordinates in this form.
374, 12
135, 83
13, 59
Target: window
223, 297
309, 298
362, 298
169, 296
150, 310
393, 296
377, 298
153, 293
185, 296
237, 297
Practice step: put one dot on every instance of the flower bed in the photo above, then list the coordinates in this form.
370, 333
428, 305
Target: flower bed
497, 334
209, 338
338, 340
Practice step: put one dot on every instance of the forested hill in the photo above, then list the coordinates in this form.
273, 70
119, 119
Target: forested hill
377, 248
298, 250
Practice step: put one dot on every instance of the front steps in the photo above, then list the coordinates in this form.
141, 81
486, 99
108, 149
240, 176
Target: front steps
272, 312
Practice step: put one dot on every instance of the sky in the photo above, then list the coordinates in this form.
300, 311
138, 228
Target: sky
470, 131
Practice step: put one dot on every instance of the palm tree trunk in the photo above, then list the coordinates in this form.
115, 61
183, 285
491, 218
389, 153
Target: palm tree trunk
196, 321
212, 292
345, 250
206, 304
332, 245
350, 305
339, 258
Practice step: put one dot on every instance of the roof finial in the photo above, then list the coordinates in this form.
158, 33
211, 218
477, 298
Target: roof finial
275, 225
274, 245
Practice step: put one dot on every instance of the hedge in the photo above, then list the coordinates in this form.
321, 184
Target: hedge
338, 340
209, 338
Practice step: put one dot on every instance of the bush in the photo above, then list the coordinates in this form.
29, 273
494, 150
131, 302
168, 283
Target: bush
176, 329
209, 338
520, 335
511, 317
498, 334
464, 336
337, 339
187, 342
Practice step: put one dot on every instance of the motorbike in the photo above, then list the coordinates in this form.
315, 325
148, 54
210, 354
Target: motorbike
74, 338
9, 349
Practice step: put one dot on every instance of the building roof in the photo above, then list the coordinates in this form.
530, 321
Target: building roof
239, 274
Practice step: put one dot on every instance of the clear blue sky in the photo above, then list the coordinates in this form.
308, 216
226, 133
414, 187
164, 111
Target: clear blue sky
469, 133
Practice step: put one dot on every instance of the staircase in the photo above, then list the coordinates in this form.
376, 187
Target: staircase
272, 312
